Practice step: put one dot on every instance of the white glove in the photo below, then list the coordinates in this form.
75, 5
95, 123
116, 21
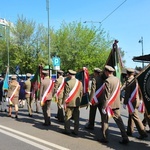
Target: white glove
124, 106
90, 103
103, 111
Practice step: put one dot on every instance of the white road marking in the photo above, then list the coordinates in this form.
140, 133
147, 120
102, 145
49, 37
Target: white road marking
30, 137
25, 140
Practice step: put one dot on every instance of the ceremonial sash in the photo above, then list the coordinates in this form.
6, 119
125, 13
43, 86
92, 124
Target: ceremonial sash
131, 109
13, 94
111, 100
60, 88
141, 108
73, 92
98, 94
48, 90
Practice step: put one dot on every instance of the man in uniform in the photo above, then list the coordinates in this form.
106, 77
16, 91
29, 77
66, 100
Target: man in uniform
46, 90
28, 94
73, 91
96, 97
112, 105
58, 91
13, 95
132, 99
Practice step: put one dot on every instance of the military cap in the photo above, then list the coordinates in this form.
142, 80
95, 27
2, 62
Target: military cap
97, 70
109, 68
72, 72
14, 77
28, 74
45, 71
130, 70
60, 71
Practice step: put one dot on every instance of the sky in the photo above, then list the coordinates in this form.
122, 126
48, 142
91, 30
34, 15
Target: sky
125, 20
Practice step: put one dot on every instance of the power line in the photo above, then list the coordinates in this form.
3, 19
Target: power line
113, 11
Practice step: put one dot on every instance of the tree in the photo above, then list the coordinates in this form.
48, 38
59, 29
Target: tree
78, 46
29, 45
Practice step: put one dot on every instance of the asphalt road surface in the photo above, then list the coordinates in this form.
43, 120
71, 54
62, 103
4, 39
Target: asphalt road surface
27, 133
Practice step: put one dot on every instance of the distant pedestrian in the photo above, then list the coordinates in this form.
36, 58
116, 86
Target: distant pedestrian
13, 95
22, 94
28, 94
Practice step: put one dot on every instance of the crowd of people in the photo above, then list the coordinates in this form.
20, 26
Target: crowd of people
104, 94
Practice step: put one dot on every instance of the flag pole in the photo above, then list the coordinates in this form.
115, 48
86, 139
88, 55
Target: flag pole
47, 8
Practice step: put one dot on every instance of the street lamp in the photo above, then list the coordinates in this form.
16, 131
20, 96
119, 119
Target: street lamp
141, 41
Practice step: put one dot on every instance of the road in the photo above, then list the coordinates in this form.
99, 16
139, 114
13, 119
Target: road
28, 133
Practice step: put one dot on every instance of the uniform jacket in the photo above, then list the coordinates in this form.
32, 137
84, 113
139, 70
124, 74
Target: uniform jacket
97, 82
110, 86
12, 86
75, 102
128, 91
27, 88
57, 85
43, 87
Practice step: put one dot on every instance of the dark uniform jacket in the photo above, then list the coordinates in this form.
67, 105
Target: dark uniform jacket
97, 82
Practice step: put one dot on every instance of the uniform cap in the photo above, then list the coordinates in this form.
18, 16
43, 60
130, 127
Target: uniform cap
72, 72
60, 71
130, 70
28, 74
45, 71
14, 77
97, 70
109, 68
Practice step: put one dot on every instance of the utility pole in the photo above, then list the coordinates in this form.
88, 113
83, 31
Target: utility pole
47, 8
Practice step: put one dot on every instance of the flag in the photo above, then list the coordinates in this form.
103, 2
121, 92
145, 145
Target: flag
143, 79
83, 76
114, 60
6, 80
35, 83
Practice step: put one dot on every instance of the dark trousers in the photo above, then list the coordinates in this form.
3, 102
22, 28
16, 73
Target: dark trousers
92, 113
46, 112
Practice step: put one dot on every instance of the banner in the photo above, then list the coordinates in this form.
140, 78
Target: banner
6, 80
114, 60
35, 83
144, 84
83, 76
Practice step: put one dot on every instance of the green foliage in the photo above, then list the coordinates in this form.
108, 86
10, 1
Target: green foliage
77, 46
